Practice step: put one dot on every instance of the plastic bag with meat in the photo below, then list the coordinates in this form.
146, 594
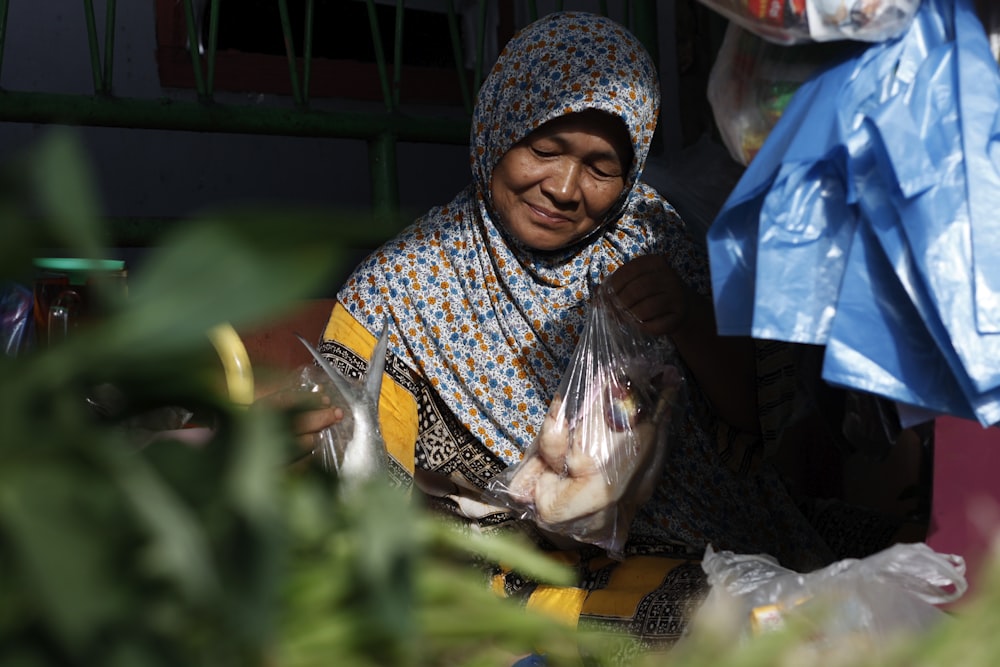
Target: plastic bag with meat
601, 447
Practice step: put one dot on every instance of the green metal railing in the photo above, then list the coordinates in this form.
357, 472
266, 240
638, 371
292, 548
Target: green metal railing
381, 131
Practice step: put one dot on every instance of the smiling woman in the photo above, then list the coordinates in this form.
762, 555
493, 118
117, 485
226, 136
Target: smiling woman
486, 298
556, 186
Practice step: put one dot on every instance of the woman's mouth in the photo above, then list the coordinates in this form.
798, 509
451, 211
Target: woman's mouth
548, 217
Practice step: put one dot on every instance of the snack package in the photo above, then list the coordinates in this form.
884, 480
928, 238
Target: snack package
603, 442
798, 21
868, 602
753, 80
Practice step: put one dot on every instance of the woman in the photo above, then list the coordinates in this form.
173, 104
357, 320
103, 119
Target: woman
486, 297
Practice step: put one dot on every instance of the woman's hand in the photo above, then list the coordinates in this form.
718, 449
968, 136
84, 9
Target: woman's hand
311, 413
723, 366
650, 289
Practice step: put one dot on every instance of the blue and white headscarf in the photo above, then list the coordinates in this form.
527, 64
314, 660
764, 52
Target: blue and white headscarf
490, 324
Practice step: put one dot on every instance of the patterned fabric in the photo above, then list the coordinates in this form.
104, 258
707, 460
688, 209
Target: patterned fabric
493, 325
562, 63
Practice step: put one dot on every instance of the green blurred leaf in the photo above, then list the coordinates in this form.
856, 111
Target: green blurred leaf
66, 196
48, 518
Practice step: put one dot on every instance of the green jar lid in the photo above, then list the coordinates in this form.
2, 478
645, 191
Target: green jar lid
78, 268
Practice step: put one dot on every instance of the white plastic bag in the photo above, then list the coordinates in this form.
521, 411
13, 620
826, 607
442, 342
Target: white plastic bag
872, 600
602, 444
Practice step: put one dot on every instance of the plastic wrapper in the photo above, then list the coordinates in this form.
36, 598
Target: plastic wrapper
871, 601
353, 448
17, 325
867, 222
332, 441
797, 21
753, 80
601, 447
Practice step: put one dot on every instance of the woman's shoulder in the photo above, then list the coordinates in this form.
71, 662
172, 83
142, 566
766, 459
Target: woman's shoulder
416, 243
437, 224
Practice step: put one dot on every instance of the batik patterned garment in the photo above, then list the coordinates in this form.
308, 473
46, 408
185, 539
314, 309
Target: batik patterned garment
482, 329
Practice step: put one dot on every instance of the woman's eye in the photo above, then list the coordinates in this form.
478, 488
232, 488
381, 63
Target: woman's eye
542, 152
605, 172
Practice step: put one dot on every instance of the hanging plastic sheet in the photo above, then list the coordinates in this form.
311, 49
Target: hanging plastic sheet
898, 149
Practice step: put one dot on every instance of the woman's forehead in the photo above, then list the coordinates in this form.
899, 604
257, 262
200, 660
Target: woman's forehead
590, 122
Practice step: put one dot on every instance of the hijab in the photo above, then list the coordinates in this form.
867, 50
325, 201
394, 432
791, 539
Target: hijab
490, 324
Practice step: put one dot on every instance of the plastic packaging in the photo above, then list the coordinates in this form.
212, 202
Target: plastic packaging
603, 442
17, 327
866, 223
872, 600
753, 80
797, 21
353, 448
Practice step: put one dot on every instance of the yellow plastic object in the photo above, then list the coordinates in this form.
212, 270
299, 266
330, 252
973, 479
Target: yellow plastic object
235, 363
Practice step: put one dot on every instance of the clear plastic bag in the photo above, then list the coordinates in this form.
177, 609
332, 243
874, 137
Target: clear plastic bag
331, 441
870, 600
603, 442
353, 448
797, 21
17, 324
753, 80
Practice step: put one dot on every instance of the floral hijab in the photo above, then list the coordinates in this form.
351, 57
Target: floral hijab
492, 325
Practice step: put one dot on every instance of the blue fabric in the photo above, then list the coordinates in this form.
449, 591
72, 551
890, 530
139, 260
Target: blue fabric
897, 149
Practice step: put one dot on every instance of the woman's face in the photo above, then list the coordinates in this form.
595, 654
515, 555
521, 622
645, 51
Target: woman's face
556, 185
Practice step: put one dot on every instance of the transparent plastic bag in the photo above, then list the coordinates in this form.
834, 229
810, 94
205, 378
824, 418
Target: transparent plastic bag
798, 21
353, 448
603, 442
753, 80
871, 600
331, 441
17, 324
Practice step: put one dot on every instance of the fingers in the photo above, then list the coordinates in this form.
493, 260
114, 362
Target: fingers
650, 289
310, 422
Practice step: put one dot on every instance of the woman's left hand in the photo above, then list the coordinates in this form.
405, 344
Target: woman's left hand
651, 290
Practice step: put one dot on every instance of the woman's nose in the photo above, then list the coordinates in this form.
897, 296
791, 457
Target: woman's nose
563, 183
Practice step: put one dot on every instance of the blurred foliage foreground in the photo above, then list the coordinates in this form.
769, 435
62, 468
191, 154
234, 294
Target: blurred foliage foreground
112, 554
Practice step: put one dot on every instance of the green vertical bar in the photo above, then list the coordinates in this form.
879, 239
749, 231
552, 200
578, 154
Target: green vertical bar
480, 46
532, 11
644, 22
382, 163
397, 52
3, 28
456, 49
95, 51
307, 50
286, 30
199, 80
109, 45
213, 42
379, 56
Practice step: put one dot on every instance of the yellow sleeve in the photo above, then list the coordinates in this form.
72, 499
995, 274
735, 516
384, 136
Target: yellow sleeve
397, 409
